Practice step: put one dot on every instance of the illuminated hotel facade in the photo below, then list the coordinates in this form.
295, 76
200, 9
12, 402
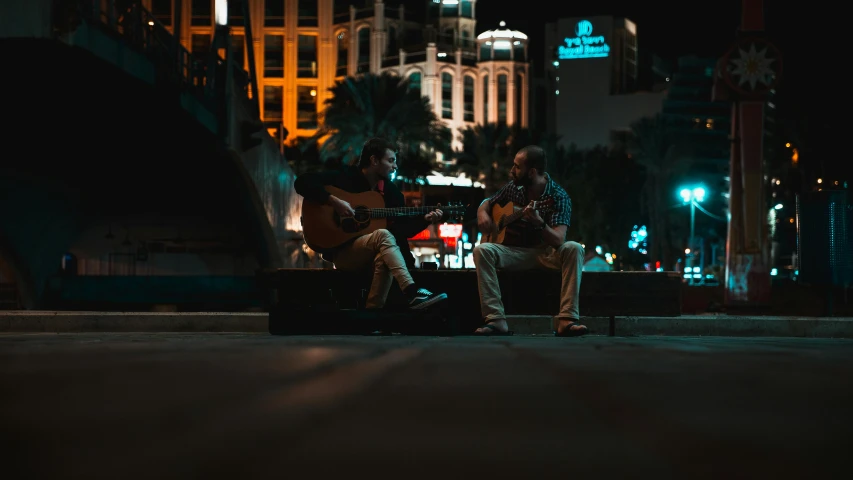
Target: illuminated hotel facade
592, 71
302, 47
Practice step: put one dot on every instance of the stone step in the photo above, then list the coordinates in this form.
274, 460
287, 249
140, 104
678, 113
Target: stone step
16, 321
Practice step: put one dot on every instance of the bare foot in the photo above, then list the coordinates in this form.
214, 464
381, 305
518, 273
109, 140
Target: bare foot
500, 326
570, 328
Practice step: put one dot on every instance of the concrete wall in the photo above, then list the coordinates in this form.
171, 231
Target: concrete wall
109, 154
26, 19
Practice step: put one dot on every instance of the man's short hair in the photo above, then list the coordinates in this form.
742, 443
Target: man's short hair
534, 157
374, 146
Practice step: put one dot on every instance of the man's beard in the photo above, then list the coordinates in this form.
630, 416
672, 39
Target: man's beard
523, 181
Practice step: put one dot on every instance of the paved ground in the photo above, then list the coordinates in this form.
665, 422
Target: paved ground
173, 405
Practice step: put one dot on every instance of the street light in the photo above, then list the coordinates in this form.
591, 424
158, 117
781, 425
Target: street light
696, 194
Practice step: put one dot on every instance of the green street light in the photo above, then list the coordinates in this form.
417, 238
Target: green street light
691, 196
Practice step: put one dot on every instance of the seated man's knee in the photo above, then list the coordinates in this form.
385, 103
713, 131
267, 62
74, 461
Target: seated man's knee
483, 250
568, 249
385, 237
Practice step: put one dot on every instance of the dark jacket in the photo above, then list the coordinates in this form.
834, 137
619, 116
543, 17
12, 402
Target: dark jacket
312, 187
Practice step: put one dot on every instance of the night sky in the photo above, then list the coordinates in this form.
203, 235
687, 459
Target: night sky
813, 45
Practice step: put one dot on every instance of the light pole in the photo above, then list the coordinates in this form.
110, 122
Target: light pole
692, 195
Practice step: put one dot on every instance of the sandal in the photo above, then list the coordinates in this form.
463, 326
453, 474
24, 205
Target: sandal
492, 331
573, 329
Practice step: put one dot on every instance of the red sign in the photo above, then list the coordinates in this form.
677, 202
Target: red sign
450, 230
423, 235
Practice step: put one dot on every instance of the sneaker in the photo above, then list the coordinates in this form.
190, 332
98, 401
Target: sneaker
423, 298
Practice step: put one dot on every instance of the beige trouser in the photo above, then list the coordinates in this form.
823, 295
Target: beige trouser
488, 257
381, 250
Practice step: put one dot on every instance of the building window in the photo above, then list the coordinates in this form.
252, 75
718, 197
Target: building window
162, 11
415, 82
343, 53
485, 52
307, 13
273, 102
446, 95
307, 57
201, 13
200, 46
502, 98
485, 99
469, 99
341, 12
519, 90
364, 50
502, 50
518, 51
306, 107
235, 13
273, 13
274, 56
447, 38
238, 48
466, 9
466, 39
393, 50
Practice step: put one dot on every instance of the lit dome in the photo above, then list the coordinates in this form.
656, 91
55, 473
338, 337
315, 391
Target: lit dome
501, 33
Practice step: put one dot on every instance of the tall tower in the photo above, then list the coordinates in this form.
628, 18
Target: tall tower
746, 75
504, 77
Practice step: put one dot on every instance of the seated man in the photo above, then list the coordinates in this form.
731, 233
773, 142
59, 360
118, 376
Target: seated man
539, 243
383, 249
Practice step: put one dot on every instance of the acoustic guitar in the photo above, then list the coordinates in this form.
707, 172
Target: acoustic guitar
324, 230
508, 231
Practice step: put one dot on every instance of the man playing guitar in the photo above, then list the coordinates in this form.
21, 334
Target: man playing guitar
383, 249
528, 183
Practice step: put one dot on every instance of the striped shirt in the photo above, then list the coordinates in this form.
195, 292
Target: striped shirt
560, 213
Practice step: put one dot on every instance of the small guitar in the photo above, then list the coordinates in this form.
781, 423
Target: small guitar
507, 231
324, 230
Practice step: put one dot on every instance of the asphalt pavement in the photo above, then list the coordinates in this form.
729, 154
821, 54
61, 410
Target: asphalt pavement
254, 405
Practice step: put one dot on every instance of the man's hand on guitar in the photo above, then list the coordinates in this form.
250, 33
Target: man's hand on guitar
485, 222
434, 216
531, 215
342, 207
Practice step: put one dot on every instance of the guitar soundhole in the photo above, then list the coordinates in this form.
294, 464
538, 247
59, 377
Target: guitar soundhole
360, 221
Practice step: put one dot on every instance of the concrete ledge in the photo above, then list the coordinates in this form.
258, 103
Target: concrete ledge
68, 322
699, 325
692, 325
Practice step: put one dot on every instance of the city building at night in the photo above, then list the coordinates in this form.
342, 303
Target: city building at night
302, 47
592, 74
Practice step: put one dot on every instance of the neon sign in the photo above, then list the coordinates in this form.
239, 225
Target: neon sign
584, 45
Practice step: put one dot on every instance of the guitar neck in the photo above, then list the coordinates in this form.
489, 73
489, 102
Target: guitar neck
517, 214
401, 211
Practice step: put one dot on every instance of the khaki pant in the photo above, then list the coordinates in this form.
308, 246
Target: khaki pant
380, 250
488, 257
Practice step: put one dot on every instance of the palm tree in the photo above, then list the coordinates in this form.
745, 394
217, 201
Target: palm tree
382, 106
485, 154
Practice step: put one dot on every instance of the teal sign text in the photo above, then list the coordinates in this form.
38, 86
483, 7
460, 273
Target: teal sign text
584, 45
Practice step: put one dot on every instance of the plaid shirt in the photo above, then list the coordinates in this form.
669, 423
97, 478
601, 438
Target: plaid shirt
560, 213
